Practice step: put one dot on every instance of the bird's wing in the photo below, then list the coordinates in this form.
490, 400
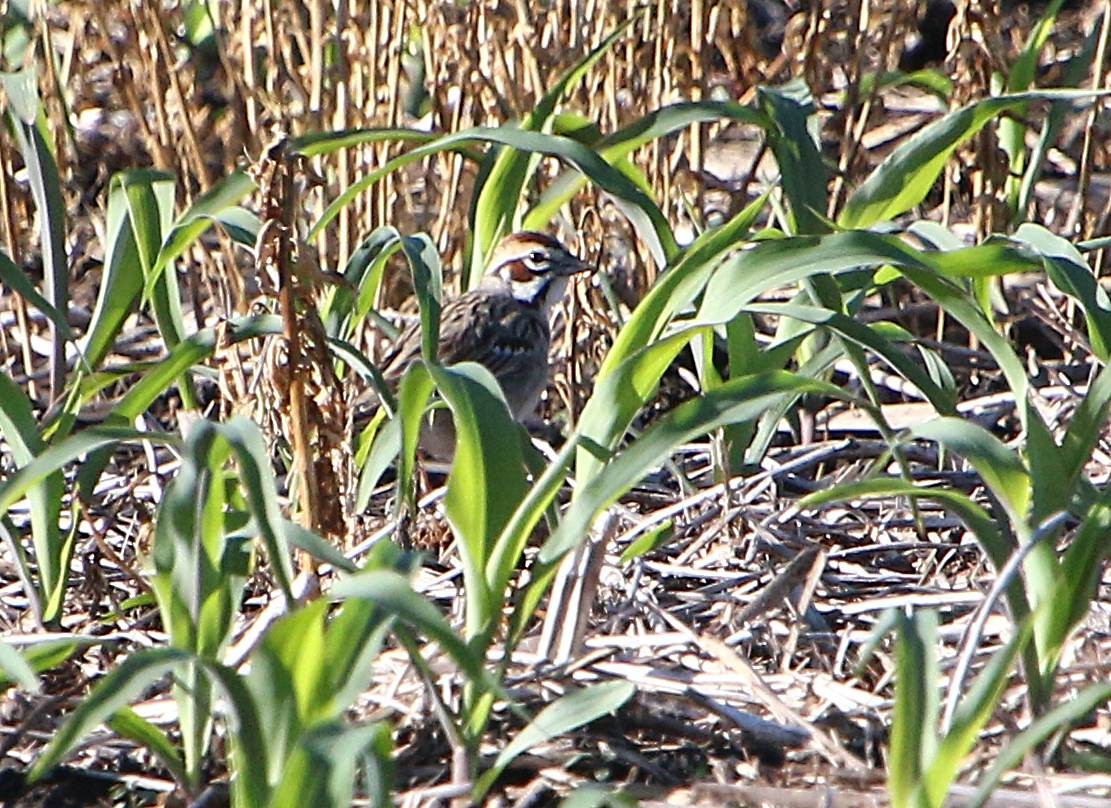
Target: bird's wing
500, 335
503, 335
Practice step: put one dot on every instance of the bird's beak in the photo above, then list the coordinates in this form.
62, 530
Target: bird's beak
573, 266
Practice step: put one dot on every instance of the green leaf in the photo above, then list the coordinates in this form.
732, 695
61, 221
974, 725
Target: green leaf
677, 287
412, 398
649, 541
323, 767
1000, 468
1080, 439
773, 264
217, 205
1070, 273
499, 192
566, 713
1076, 68
128, 724
601, 174
156, 377
930, 80
487, 479
591, 796
250, 783
1075, 585
956, 303
392, 593
16, 279
199, 579
16, 669
618, 398
123, 684
256, 474
1012, 129
506, 553
972, 714
149, 197
46, 191
914, 718
289, 672
47, 651
122, 280
424, 262
53, 550
345, 308
319, 143
1041, 728
903, 179
793, 138
982, 525
736, 400
619, 145
304, 539
351, 645
868, 336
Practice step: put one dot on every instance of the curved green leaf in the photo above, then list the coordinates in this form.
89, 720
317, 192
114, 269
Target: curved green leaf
677, 287
14, 668
619, 145
914, 716
1001, 469
1041, 728
487, 480
118, 688
793, 137
393, 593
563, 715
589, 163
982, 525
217, 205
28, 122
619, 396
975, 709
129, 237
345, 308
318, 143
736, 400
870, 337
16, 279
499, 191
1068, 270
44, 498
128, 724
903, 179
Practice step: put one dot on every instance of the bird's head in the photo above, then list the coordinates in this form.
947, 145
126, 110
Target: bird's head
535, 267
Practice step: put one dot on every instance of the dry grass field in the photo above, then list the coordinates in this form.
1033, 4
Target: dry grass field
815, 510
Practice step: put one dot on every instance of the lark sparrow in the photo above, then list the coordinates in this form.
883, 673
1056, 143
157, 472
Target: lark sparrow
502, 324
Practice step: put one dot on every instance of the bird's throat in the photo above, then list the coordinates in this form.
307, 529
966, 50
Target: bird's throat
541, 292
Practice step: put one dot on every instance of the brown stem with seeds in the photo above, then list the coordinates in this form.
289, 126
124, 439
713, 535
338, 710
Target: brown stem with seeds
298, 412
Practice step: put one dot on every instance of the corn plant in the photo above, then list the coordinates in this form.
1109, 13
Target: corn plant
286, 712
143, 240
927, 749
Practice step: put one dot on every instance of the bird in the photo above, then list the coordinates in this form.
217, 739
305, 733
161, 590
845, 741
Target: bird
502, 324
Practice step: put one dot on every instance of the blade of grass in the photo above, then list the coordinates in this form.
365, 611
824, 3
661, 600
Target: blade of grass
1054, 721
903, 179
563, 715
736, 400
28, 121
498, 195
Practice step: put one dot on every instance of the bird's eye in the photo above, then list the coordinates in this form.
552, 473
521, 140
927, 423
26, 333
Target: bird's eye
536, 257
